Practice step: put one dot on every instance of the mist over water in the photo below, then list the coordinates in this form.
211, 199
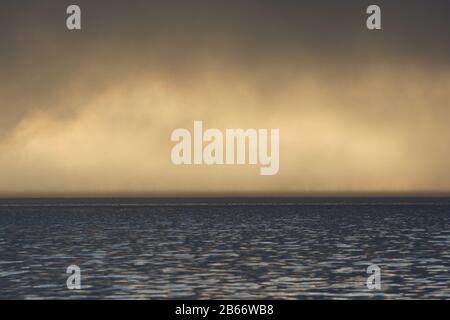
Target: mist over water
225, 249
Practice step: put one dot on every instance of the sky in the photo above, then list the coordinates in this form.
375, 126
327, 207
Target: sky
91, 111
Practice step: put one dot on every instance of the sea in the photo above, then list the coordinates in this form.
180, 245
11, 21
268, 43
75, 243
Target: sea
225, 248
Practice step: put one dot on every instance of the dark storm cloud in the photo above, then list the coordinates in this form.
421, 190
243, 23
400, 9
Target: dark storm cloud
276, 26
240, 30
293, 60
39, 58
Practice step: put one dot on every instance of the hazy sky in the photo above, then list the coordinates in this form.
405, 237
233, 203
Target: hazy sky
92, 110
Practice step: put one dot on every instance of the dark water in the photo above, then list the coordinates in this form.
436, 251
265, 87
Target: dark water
253, 248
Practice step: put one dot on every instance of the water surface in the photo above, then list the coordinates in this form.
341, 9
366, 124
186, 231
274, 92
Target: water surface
294, 248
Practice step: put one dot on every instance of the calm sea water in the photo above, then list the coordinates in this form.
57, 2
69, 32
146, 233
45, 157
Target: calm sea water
225, 248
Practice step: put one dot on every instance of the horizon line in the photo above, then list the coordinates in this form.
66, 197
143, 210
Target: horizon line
249, 194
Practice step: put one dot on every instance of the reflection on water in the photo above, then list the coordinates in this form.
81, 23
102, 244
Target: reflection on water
289, 249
